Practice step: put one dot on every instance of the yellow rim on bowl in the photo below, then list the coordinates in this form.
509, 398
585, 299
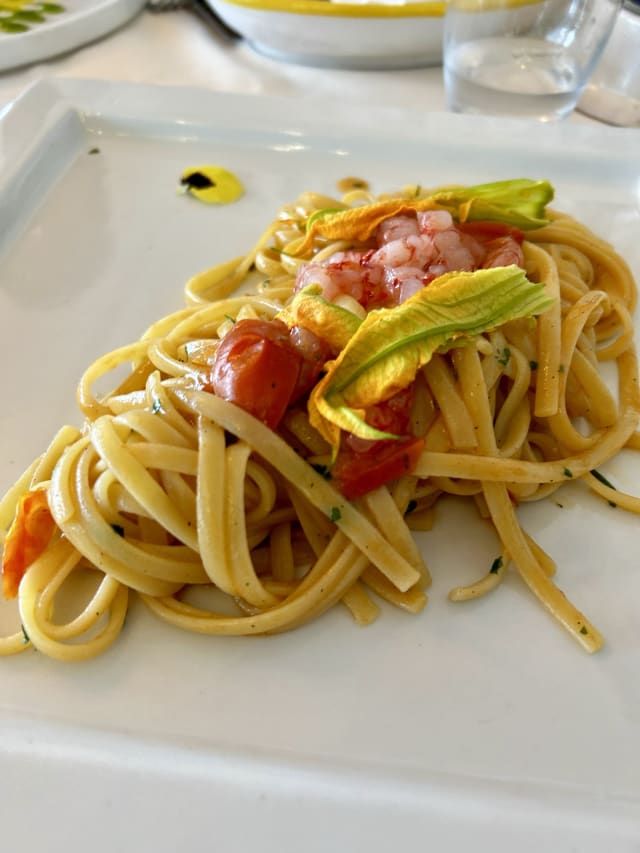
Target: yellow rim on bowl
351, 10
490, 5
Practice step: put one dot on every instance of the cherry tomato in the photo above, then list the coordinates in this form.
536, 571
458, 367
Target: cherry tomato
257, 368
393, 414
355, 473
263, 366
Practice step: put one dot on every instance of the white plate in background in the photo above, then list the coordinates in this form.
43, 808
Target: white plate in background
81, 22
479, 726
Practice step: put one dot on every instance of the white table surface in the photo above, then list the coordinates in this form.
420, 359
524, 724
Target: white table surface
178, 49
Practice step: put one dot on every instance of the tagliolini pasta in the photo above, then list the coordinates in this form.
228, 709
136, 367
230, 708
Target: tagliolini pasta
168, 490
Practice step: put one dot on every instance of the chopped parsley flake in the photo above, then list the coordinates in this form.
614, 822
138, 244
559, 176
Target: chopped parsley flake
584, 630
604, 482
503, 356
323, 470
335, 515
602, 478
411, 506
157, 407
25, 636
533, 365
567, 473
496, 566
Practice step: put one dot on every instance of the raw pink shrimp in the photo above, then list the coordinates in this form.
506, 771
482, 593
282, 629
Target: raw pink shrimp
350, 274
455, 250
411, 251
403, 282
503, 251
416, 250
473, 245
451, 251
396, 228
430, 221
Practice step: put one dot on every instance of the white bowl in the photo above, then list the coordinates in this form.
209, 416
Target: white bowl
340, 33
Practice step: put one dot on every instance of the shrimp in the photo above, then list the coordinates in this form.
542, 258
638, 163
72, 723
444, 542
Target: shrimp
411, 251
452, 253
430, 221
333, 279
28, 536
403, 282
347, 273
415, 250
502, 252
396, 228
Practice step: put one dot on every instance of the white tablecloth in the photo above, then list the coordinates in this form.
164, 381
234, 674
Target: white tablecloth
177, 48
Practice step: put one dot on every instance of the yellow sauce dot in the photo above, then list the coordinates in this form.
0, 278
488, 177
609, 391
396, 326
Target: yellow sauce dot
212, 184
345, 185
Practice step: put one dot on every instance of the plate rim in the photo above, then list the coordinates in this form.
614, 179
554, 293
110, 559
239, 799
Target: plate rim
342, 9
61, 34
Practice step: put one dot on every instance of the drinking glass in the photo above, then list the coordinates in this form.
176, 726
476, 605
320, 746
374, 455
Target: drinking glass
613, 92
523, 58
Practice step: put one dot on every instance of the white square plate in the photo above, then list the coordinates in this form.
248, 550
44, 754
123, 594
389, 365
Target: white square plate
477, 726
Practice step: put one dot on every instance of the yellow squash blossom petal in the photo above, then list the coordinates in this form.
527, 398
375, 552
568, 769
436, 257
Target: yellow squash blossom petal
519, 202
311, 311
391, 344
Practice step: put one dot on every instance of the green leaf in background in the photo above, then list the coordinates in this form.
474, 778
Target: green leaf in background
7, 26
18, 16
29, 16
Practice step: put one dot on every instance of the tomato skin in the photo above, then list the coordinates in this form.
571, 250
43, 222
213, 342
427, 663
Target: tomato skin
28, 536
263, 366
364, 465
392, 415
486, 231
356, 473
314, 352
257, 369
